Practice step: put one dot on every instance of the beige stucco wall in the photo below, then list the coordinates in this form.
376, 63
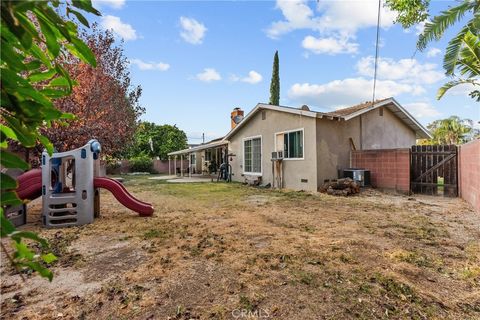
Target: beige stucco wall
385, 132
333, 146
294, 170
378, 132
326, 144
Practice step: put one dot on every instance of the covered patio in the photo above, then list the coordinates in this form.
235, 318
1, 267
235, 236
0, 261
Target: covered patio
203, 160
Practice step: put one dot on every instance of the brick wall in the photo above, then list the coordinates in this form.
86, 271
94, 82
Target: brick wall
469, 173
389, 168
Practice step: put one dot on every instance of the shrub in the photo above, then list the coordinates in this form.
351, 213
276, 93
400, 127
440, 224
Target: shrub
112, 166
142, 163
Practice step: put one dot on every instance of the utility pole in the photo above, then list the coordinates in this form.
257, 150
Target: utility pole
203, 138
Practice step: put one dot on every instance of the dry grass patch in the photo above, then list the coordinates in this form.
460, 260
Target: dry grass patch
213, 250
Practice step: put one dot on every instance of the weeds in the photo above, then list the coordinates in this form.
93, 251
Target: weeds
156, 233
415, 258
395, 289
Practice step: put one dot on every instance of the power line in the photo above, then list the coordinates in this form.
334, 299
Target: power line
376, 53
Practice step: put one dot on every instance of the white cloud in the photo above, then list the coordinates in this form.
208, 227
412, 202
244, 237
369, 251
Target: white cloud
334, 22
208, 75
421, 110
394, 77
333, 16
142, 65
433, 52
297, 14
121, 29
348, 91
403, 70
419, 27
329, 45
350, 16
114, 4
253, 77
192, 31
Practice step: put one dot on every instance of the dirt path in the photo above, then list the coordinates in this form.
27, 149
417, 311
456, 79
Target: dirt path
216, 251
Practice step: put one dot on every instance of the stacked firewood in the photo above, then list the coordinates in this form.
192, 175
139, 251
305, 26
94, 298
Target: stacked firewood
340, 187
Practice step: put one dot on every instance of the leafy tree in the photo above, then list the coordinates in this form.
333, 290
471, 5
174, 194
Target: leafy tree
275, 82
162, 138
452, 130
410, 12
34, 37
462, 56
103, 100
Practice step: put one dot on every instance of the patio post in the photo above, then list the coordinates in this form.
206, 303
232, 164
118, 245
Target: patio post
175, 165
181, 165
190, 165
169, 157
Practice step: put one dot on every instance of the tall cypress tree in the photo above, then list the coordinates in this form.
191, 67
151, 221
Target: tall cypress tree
275, 82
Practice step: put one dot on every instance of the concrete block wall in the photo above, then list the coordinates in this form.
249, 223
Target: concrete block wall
389, 168
161, 166
469, 173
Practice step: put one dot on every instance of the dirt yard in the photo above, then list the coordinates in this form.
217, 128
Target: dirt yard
227, 251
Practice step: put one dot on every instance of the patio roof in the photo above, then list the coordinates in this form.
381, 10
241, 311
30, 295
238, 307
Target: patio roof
213, 144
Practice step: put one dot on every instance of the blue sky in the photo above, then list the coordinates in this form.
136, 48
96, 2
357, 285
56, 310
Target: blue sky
196, 61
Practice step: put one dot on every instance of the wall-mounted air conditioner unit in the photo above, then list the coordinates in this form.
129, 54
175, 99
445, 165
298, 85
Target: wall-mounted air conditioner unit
277, 155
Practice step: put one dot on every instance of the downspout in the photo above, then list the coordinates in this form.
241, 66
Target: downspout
361, 133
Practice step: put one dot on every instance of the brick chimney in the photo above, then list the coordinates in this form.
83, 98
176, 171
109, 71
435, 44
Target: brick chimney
236, 116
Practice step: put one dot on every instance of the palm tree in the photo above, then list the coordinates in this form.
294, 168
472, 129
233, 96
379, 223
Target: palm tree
452, 130
463, 51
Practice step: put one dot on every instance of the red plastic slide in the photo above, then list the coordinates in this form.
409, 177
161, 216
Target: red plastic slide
30, 184
30, 187
121, 194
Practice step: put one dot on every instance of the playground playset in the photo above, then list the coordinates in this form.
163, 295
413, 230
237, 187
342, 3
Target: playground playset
68, 183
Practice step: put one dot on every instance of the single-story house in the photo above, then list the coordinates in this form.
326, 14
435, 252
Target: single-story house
299, 149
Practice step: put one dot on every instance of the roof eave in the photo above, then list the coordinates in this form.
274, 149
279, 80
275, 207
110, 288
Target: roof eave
259, 106
199, 148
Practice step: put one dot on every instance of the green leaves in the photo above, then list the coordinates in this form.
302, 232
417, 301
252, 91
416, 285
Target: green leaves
435, 29
275, 82
462, 54
410, 12
450, 84
19, 235
79, 16
452, 130
6, 227
46, 143
33, 37
82, 51
9, 198
85, 5
7, 182
9, 160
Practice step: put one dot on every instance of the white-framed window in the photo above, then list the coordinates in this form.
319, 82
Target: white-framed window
252, 155
193, 159
291, 143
